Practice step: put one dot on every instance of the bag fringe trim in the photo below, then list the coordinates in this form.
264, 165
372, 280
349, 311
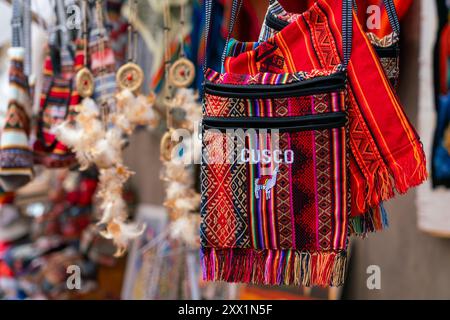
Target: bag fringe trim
375, 220
399, 177
407, 172
274, 267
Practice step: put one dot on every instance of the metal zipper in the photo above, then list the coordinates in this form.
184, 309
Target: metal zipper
329, 120
332, 83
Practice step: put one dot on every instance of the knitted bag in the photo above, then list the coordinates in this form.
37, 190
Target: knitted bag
275, 192
58, 99
361, 223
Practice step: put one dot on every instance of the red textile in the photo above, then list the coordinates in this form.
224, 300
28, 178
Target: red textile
247, 32
386, 151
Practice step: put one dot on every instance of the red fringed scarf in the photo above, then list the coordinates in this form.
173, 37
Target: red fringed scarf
386, 153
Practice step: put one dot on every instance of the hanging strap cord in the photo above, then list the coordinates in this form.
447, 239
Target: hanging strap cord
392, 15
235, 8
347, 31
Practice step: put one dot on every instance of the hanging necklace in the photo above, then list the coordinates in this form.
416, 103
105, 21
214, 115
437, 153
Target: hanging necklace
84, 80
182, 72
130, 76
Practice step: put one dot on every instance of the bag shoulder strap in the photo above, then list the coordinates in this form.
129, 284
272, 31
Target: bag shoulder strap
17, 24
235, 8
21, 30
347, 31
392, 15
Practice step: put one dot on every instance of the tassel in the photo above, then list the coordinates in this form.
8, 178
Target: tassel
271, 267
375, 220
407, 173
305, 270
339, 271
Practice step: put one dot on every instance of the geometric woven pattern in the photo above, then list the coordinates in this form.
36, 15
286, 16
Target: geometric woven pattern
391, 67
223, 106
323, 173
283, 204
223, 190
16, 158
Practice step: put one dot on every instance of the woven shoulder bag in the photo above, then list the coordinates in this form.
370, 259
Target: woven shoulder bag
275, 191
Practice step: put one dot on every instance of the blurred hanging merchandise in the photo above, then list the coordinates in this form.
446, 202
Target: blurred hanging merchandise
98, 133
265, 62
13, 225
177, 241
167, 253
35, 259
16, 158
433, 197
59, 98
134, 65
441, 146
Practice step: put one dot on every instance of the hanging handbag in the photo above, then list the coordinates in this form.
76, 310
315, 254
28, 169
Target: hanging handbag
275, 191
102, 60
59, 97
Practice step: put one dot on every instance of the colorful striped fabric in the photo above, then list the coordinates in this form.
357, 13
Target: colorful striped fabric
386, 153
275, 192
102, 61
386, 47
118, 30
57, 104
16, 157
